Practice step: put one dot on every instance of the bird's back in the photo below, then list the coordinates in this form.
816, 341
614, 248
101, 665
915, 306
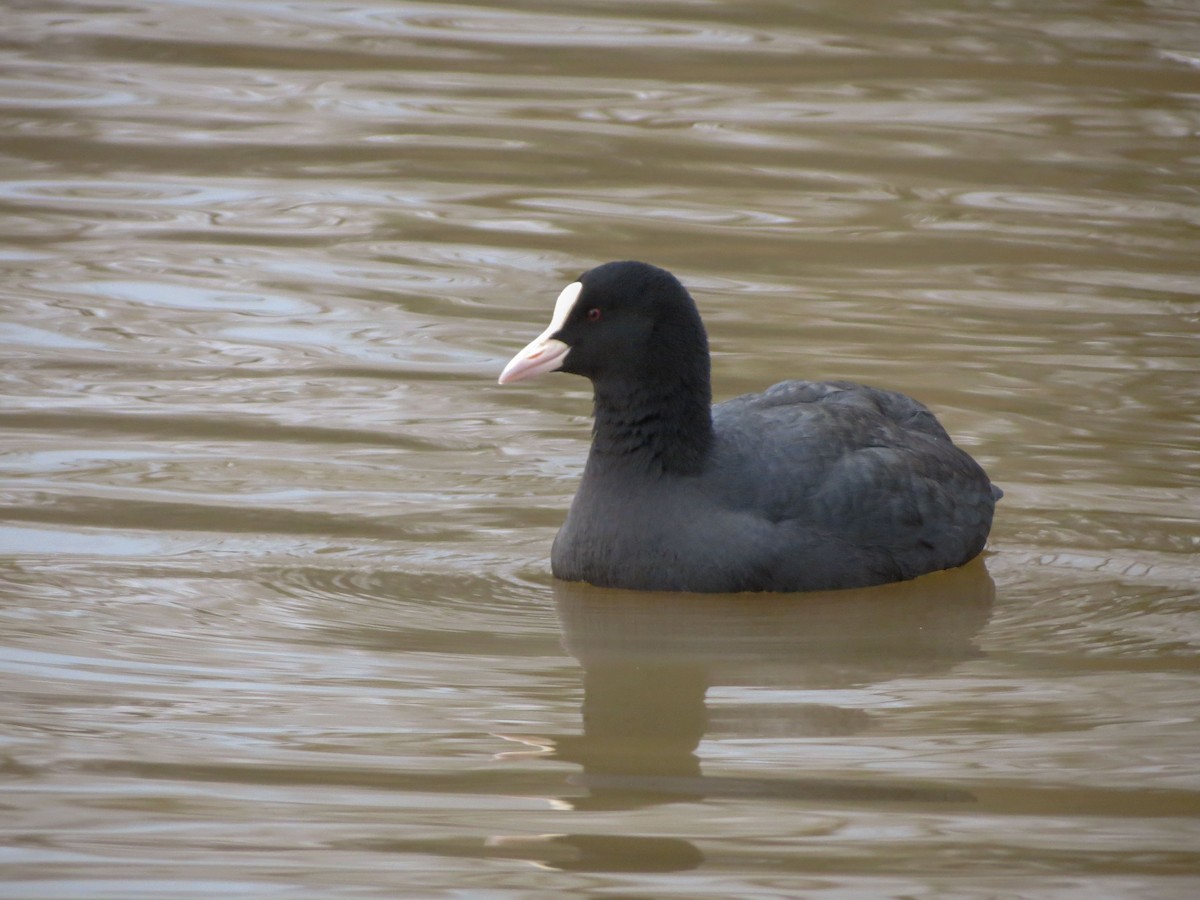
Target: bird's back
871, 471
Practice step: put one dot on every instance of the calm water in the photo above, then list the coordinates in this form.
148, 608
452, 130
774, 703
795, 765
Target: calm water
277, 618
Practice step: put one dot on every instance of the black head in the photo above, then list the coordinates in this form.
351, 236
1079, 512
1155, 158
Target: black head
634, 331
621, 322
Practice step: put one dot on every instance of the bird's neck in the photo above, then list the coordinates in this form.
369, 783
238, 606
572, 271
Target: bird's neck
652, 428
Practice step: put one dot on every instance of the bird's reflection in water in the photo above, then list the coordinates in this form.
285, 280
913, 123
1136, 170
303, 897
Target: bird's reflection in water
599, 852
650, 658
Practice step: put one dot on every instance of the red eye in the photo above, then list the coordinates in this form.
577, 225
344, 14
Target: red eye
593, 314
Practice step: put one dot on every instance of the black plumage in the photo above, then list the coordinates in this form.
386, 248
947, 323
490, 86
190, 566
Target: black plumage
805, 486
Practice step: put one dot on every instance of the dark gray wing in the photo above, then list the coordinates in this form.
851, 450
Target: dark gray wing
868, 470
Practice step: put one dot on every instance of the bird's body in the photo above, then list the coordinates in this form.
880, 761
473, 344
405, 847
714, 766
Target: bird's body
805, 486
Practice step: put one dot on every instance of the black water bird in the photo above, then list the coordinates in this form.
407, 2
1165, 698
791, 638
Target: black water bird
805, 486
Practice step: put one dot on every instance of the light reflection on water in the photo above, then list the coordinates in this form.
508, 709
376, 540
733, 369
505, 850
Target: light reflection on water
277, 615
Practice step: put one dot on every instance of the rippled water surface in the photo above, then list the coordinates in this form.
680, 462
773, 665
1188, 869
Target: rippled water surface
277, 617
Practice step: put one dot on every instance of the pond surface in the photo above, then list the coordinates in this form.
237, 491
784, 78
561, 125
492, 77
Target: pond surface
277, 619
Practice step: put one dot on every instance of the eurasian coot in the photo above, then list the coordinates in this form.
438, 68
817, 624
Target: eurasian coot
806, 486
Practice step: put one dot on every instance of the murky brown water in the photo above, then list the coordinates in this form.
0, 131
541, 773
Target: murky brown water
277, 619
